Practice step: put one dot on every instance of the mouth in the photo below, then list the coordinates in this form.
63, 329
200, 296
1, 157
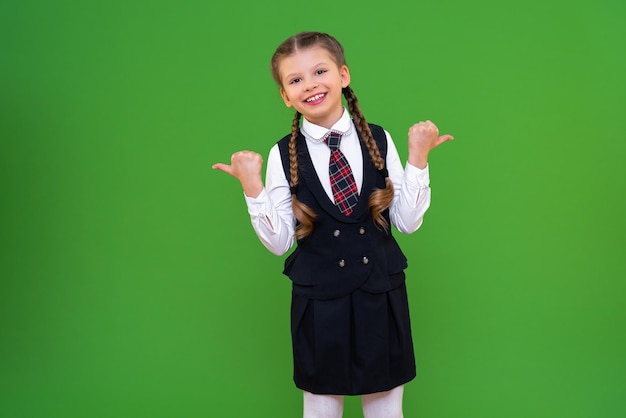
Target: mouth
315, 98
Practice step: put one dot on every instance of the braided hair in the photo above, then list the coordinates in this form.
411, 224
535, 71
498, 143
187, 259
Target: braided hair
380, 199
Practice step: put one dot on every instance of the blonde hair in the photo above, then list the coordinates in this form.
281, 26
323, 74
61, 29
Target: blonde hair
380, 199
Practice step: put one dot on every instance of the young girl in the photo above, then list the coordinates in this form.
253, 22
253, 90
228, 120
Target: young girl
335, 185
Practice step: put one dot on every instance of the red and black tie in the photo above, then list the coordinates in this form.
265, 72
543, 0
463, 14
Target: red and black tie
342, 182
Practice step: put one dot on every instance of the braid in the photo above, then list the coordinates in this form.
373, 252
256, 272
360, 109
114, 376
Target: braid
380, 199
363, 128
302, 212
293, 153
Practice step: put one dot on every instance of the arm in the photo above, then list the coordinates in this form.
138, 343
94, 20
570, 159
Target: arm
412, 185
270, 206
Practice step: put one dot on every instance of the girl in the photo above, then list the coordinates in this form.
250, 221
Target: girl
334, 185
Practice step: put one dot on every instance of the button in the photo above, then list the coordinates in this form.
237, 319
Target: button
361, 230
366, 260
336, 233
342, 263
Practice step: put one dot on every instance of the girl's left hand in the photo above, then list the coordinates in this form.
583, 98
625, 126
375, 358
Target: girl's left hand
423, 137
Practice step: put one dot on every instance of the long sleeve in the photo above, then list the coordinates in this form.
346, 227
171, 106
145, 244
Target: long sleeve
270, 213
411, 191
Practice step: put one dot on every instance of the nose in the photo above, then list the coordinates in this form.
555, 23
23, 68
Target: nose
310, 85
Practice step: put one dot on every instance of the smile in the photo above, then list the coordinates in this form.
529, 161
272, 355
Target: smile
315, 98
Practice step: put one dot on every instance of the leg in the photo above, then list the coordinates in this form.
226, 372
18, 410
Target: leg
383, 404
322, 406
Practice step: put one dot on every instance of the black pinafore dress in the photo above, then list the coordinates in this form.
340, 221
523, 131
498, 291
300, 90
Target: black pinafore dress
350, 323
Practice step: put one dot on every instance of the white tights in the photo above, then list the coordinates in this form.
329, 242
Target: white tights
376, 405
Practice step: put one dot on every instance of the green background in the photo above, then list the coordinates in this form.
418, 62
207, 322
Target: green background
132, 284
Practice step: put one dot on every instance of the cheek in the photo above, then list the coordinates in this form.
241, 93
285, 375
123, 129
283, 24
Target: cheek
293, 91
287, 96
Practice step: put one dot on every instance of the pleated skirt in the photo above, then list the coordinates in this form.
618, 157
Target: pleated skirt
354, 345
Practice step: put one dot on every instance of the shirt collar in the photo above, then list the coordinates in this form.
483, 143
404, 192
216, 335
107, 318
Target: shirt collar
317, 133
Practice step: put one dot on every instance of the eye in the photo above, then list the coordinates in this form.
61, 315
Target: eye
320, 71
295, 80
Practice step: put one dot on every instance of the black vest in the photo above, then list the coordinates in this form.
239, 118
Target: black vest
343, 253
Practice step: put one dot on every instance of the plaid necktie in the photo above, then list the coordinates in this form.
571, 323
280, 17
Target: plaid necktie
342, 182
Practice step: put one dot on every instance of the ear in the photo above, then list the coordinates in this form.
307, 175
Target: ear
344, 72
283, 94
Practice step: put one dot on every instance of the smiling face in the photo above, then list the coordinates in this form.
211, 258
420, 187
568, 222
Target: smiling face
311, 82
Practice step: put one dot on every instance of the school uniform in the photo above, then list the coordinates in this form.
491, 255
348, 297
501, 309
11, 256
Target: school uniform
350, 320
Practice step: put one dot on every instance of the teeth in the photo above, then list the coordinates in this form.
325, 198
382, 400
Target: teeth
316, 97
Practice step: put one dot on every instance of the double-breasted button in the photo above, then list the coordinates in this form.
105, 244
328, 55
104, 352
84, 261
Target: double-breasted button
342, 263
366, 260
336, 233
362, 230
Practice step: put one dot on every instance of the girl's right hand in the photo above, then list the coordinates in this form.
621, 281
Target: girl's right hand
246, 167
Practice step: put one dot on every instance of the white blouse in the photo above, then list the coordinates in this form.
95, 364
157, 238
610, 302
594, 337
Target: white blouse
271, 213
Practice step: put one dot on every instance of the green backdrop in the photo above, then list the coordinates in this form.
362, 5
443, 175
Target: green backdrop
132, 284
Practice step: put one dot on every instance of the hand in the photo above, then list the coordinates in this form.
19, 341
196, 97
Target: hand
246, 167
423, 137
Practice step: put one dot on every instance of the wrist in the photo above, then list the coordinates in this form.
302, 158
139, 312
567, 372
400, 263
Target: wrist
252, 189
420, 160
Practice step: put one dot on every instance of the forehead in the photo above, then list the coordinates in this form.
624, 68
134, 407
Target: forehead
303, 59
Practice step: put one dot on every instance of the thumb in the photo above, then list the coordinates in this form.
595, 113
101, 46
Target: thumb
223, 167
444, 138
